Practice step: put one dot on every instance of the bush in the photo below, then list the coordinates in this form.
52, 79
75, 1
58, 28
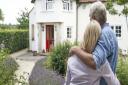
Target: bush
8, 66
13, 39
57, 59
122, 70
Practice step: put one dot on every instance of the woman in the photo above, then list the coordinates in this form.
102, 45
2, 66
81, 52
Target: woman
79, 73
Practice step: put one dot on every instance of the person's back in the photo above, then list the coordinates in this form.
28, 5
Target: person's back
79, 73
109, 41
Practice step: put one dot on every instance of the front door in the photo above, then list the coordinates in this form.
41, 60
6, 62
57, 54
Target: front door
49, 37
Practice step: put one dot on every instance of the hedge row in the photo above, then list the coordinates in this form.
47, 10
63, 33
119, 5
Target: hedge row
13, 39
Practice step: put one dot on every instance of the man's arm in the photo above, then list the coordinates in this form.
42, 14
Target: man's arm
97, 58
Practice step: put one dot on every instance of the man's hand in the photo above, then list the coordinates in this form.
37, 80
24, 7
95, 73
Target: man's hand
74, 50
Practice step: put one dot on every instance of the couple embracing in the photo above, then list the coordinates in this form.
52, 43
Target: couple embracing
94, 61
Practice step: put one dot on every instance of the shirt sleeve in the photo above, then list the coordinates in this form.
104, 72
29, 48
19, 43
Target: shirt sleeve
102, 50
68, 77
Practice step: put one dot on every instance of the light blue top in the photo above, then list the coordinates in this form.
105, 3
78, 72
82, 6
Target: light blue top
107, 47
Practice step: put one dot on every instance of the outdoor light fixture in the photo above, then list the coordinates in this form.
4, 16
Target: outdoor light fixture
42, 26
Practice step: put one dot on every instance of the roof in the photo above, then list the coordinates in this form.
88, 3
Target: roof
32, 1
81, 1
85, 1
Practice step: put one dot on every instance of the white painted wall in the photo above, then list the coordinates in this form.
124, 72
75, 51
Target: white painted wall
32, 16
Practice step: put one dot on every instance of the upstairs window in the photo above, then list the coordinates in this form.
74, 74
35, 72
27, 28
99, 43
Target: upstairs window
69, 32
67, 5
49, 4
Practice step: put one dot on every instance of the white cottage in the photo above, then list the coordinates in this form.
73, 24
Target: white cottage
54, 21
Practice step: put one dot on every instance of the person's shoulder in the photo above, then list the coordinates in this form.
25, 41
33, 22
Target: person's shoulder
107, 30
72, 59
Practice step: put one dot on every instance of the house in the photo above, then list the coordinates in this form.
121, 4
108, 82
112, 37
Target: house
54, 21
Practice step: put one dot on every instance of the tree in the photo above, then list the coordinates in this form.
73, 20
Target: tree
23, 19
111, 9
1, 15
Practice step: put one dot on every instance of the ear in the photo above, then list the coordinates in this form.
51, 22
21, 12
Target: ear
93, 17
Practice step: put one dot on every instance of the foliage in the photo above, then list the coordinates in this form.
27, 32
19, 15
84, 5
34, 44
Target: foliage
8, 26
8, 66
57, 59
112, 10
122, 70
23, 19
13, 39
1, 15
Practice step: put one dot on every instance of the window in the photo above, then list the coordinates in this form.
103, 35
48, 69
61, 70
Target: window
118, 31
32, 32
69, 32
67, 5
112, 27
49, 4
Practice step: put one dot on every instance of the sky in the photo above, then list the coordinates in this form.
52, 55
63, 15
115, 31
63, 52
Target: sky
11, 8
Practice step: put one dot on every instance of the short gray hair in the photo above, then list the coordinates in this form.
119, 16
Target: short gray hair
98, 12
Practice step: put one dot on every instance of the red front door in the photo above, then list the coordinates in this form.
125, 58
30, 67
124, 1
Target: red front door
49, 37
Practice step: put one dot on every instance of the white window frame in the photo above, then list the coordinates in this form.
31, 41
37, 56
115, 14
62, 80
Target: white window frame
67, 5
69, 32
49, 5
117, 30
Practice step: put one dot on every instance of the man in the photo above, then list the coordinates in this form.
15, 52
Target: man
107, 45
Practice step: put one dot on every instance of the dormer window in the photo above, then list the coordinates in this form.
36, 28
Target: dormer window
49, 4
67, 5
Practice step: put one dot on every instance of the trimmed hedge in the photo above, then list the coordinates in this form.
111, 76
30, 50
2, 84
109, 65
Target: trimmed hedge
13, 39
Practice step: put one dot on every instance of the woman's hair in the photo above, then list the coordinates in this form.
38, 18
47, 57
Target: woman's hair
98, 12
91, 36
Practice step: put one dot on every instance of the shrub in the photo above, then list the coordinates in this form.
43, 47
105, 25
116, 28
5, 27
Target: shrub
8, 66
122, 71
58, 57
13, 39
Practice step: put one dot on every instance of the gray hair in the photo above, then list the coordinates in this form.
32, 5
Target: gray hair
98, 12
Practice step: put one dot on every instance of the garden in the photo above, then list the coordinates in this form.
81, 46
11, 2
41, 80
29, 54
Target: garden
56, 61
11, 40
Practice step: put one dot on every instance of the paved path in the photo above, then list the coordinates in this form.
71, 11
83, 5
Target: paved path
26, 63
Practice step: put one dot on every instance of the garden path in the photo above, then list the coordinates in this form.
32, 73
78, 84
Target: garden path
26, 63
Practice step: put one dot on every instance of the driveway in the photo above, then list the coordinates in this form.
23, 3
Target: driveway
26, 63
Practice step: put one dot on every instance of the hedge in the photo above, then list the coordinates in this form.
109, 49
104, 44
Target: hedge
13, 39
